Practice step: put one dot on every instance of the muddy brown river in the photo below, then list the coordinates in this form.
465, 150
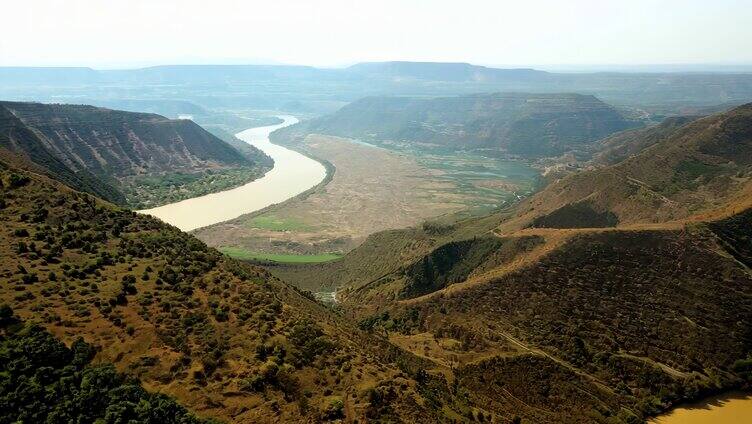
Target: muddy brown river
729, 408
293, 173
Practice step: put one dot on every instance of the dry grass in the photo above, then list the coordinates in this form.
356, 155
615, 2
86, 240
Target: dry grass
372, 190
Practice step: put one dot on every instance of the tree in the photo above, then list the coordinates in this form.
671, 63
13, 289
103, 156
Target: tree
41, 380
6, 314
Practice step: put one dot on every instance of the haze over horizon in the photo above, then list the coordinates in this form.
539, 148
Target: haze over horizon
577, 35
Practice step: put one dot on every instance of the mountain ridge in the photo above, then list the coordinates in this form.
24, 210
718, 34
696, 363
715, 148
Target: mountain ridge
645, 312
126, 151
659, 92
521, 124
443, 71
697, 167
225, 339
21, 142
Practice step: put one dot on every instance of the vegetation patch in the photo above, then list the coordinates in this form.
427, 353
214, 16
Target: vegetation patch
42, 380
243, 254
156, 190
576, 215
690, 170
451, 263
274, 223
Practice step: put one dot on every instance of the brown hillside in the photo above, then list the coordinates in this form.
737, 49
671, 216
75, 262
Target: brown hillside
701, 166
616, 148
136, 156
22, 147
645, 317
226, 339
617, 292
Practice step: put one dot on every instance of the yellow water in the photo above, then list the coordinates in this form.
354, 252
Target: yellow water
730, 408
293, 173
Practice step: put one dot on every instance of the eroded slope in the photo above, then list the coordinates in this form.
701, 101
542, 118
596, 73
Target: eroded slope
144, 159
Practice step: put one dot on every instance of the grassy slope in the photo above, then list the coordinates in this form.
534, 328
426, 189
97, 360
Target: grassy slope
382, 254
699, 167
620, 146
224, 338
644, 315
656, 315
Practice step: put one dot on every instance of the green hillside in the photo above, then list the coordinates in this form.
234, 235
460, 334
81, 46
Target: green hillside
526, 125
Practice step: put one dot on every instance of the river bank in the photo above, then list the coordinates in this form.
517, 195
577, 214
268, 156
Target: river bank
293, 173
371, 190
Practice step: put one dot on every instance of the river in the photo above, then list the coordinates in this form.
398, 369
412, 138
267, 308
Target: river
293, 173
727, 408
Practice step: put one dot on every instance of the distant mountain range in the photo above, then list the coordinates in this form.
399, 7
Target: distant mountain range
437, 71
528, 125
317, 90
249, 73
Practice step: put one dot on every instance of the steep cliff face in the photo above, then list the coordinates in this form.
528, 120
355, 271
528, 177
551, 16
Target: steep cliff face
123, 149
22, 147
110, 142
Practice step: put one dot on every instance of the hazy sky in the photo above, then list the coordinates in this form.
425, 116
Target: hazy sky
118, 33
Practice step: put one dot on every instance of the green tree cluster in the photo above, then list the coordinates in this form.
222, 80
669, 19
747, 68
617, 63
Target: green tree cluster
43, 381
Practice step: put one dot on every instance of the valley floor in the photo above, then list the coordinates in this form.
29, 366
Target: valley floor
373, 189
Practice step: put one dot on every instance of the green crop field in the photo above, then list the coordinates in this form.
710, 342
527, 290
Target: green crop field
243, 254
271, 222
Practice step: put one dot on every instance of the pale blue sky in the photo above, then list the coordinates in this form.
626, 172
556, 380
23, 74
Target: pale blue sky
103, 33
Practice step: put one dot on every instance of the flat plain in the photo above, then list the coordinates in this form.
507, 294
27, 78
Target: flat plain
373, 189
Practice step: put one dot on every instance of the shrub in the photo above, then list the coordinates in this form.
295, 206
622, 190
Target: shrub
309, 341
6, 314
52, 383
743, 367
335, 410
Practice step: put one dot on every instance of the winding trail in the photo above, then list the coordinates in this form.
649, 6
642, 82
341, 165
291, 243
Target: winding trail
293, 173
